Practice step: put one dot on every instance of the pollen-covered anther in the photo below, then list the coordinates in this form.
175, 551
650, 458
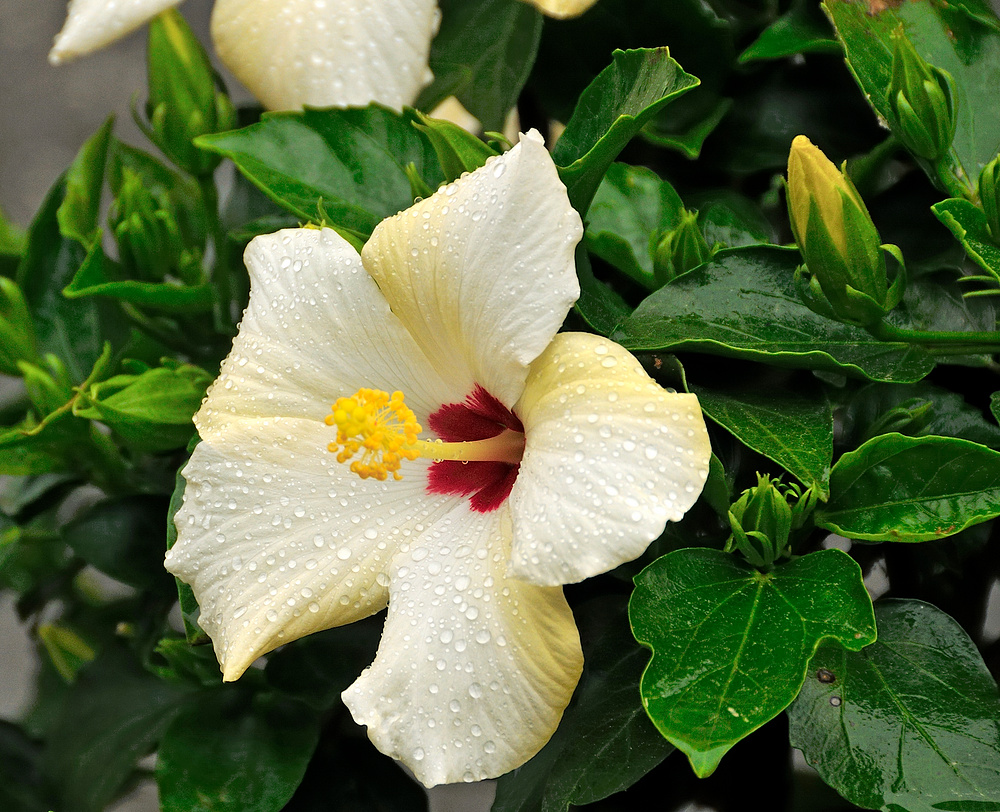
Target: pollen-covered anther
379, 426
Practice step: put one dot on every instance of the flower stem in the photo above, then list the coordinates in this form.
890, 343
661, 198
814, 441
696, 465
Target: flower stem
941, 342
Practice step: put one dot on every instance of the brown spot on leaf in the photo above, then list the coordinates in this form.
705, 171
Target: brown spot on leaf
826, 675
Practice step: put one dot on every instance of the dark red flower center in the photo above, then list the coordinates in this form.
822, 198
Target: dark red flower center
479, 417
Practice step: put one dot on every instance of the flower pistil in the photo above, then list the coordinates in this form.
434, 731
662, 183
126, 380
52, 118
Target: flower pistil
384, 430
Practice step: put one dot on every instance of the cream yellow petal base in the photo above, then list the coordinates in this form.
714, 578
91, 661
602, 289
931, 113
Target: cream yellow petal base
610, 457
562, 9
92, 24
475, 668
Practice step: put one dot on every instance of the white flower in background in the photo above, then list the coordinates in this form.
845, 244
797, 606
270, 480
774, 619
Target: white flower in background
290, 53
578, 459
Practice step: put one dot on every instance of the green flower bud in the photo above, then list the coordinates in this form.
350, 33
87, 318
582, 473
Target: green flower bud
837, 239
17, 331
921, 100
152, 244
761, 521
988, 190
185, 97
681, 249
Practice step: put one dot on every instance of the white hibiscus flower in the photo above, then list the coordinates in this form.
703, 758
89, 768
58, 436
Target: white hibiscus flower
578, 459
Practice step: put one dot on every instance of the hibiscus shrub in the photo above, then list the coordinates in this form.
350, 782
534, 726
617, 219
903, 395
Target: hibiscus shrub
702, 344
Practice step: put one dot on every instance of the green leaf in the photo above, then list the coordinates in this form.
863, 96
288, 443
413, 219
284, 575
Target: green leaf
800, 30
616, 105
74, 331
937, 302
600, 305
152, 411
948, 38
910, 723
731, 220
916, 410
458, 150
114, 715
898, 488
731, 645
483, 54
968, 223
81, 207
343, 167
631, 205
123, 538
995, 405
743, 304
794, 429
605, 742
93, 279
230, 751
320, 667
689, 141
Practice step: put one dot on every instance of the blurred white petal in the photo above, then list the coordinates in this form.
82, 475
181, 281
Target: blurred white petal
92, 24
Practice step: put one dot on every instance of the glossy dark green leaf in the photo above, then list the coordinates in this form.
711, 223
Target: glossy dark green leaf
731, 220
631, 205
124, 538
898, 488
794, 429
800, 30
743, 304
114, 715
616, 105
731, 645
605, 742
948, 38
968, 223
79, 211
230, 751
93, 279
910, 723
483, 55
346, 167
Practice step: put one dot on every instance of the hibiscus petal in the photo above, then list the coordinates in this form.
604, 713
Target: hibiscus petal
474, 669
481, 273
279, 540
327, 53
562, 8
317, 328
92, 24
610, 457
